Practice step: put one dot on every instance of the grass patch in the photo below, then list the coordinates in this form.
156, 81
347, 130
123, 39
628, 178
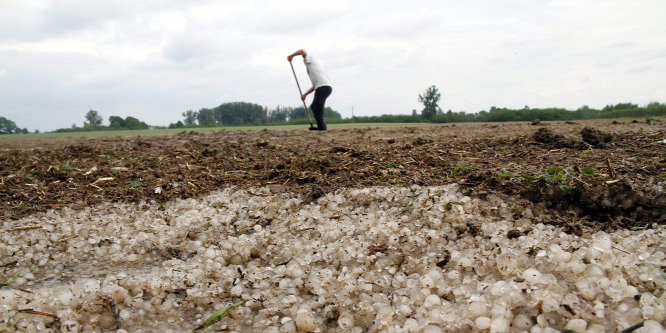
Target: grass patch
217, 316
172, 131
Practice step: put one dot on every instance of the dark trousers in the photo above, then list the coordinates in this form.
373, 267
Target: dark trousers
317, 106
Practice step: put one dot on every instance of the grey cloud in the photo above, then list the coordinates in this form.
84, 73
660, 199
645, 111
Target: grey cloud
185, 50
27, 22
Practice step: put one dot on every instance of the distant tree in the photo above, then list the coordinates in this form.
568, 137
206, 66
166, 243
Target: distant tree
625, 106
331, 114
36, 131
93, 118
206, 117
429, 100
239, 113
133, 124
8, 127
278, 114
130, 123
585, 112
297, 113
116, 122
190, 117
620, 106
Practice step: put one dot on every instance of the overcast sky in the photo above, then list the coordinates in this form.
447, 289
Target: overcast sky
154, 59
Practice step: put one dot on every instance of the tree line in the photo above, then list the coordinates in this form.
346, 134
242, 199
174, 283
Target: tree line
9, 127
239, 113
242, 113
94, 123
431, 112
495, 114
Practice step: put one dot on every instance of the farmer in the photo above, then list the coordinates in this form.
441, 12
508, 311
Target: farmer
320, 85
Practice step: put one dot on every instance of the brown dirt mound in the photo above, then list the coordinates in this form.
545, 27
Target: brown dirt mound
596, 137
545, 135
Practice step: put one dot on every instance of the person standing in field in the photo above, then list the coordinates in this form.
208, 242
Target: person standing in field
321, 86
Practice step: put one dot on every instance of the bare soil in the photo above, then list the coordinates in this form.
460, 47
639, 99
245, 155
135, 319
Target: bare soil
596, 174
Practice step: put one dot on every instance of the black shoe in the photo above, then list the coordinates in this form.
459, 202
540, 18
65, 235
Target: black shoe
313, 129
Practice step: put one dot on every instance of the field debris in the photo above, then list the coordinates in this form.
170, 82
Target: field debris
467, 227
217, 316
25, 227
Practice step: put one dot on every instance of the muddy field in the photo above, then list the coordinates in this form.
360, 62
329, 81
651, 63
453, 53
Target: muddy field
509, 227
595, 174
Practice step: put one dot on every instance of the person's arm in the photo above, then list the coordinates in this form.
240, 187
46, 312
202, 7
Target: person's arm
307, 93
300, 52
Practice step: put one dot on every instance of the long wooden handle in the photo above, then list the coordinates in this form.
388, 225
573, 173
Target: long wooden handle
301, 94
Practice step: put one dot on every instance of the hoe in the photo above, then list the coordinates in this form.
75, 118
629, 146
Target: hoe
312, 128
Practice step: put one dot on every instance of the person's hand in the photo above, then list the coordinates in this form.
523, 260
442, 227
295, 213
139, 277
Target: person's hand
303, 97
289, 57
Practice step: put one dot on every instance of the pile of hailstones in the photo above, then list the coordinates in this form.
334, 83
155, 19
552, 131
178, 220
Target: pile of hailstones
380, 259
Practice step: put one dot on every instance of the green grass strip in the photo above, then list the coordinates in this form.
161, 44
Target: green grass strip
10, 281
217, 316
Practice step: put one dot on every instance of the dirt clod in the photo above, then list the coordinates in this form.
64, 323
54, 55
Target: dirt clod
315, 192
545, 135
595, 137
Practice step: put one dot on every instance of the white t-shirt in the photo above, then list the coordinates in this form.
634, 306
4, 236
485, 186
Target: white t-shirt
316, 72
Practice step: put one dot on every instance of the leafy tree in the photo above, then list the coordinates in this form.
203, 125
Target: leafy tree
130, 123
620, 106
331, 114
178, 124
8, 127
116, 122
297, 113
206, 117
278, 115
190, 117
93, 118
585, 112
239, 113
430, 99
133, 124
